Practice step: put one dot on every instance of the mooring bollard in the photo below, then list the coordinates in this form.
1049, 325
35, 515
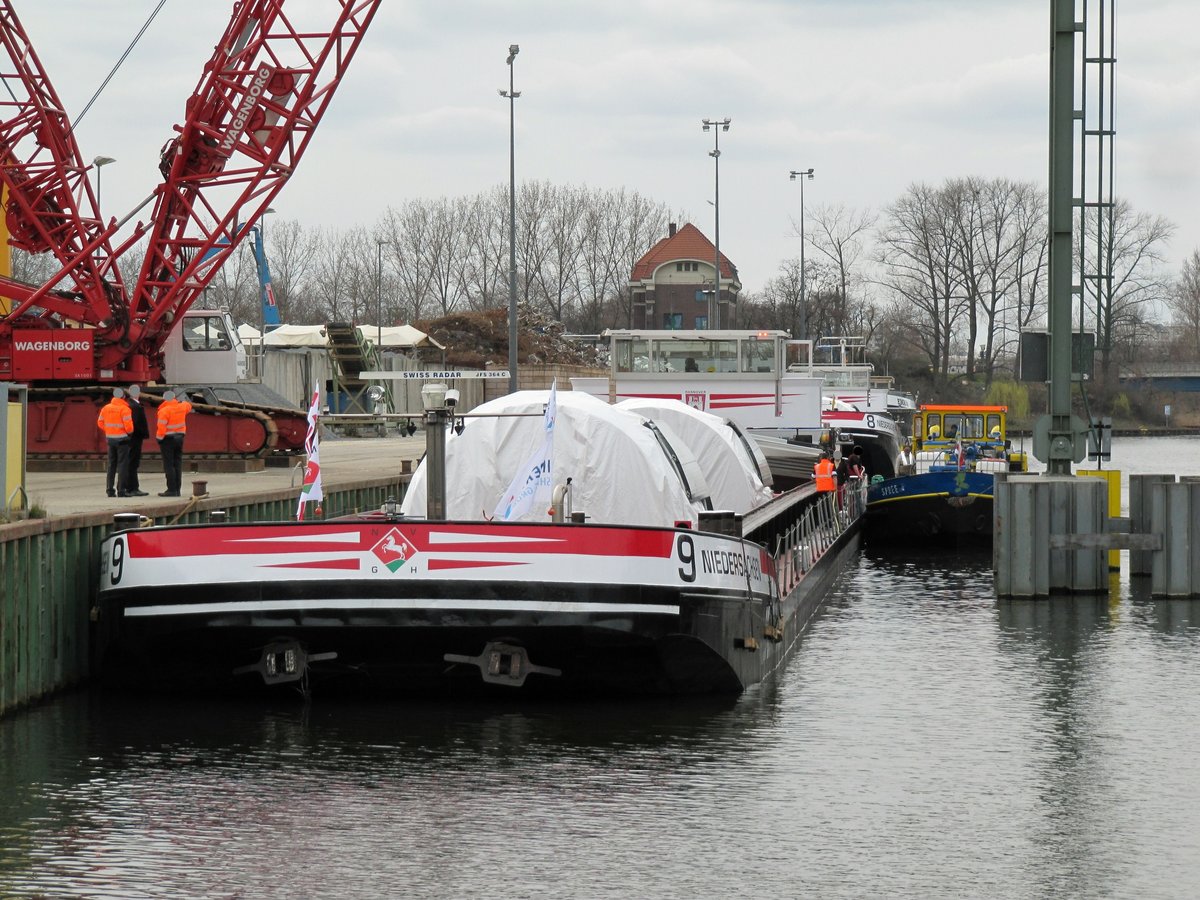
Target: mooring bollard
1175, 514
1050, 536
1141, 518
127, 520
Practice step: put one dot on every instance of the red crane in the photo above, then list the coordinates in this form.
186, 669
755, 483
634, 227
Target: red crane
246, 126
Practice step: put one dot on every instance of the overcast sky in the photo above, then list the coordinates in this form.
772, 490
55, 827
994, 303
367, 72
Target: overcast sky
873, 95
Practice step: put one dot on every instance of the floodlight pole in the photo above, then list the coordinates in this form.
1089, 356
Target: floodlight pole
512, 96
716, 126
807, 173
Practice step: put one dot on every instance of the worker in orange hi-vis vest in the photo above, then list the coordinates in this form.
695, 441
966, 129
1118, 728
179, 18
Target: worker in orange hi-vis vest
172, 428
116, 421
823, 473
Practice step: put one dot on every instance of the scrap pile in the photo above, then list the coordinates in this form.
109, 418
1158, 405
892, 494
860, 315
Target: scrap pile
476, 340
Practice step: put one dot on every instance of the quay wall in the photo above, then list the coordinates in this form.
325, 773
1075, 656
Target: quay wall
50, 569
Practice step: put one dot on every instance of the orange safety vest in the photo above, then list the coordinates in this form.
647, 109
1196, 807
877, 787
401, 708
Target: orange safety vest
115, 419
824, 475
172, 416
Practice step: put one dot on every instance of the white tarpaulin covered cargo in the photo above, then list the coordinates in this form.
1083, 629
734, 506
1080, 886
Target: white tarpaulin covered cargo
731, 473
619, 471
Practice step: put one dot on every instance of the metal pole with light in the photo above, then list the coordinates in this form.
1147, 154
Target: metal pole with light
433, 398
100, 162
803, 284
714, 309
512, 96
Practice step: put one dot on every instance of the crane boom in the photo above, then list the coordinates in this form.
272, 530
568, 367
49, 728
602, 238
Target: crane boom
50, 205
247, 124
270, 312
245, 127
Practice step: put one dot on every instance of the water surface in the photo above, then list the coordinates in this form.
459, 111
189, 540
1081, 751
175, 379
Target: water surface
926, 741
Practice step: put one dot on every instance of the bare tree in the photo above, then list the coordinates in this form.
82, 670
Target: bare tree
839, 235
484, 269
780, 298
35, 268
1131, 249
557, 279
235, 286
410, 232
1033, 257
292, 251
445, 246
332, 294
990, 242
1184, 300
918, 255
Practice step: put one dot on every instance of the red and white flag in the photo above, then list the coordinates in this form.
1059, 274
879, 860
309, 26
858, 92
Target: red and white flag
311, 489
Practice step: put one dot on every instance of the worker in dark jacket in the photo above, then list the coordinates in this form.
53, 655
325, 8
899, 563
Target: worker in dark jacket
116, 422
140, 432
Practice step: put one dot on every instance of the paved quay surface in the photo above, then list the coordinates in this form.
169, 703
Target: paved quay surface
342, 460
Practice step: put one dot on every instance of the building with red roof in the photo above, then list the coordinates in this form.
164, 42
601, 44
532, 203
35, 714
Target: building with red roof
671, 284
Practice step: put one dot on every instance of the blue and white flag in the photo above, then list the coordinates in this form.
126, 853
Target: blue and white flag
534, 481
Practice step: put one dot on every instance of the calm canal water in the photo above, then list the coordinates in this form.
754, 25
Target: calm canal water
926, 741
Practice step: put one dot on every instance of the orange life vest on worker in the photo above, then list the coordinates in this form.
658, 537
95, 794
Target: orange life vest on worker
824, 475
172, 418
115, 419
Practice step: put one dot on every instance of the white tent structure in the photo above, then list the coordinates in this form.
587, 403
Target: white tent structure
398, 337
733, 474
620, 472
394, 337
296, 336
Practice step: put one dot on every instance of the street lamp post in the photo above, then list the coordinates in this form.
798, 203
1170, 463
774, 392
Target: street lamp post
379, 295
714, 309
100, 162
803, 298
512, 96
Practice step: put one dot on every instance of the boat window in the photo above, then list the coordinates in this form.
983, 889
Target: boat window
682, 356
967, 426
758, 355
633, 355
993, 423
933, 426
723, 356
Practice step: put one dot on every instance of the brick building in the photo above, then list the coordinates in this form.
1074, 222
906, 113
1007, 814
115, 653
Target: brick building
671, 283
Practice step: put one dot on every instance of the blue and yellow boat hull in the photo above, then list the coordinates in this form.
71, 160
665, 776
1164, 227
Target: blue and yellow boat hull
952, 506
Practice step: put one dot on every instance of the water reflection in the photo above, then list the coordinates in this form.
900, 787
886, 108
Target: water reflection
926, 740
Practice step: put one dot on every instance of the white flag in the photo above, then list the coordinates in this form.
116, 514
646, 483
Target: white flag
533, 484
311, 489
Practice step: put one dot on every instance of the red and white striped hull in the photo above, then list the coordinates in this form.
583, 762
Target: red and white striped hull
417, 607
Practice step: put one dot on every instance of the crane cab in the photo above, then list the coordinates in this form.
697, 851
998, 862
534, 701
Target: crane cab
204, 348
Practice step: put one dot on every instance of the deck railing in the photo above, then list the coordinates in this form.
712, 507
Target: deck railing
816, 530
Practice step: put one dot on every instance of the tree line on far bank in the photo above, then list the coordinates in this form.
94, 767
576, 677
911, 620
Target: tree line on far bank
944, 278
